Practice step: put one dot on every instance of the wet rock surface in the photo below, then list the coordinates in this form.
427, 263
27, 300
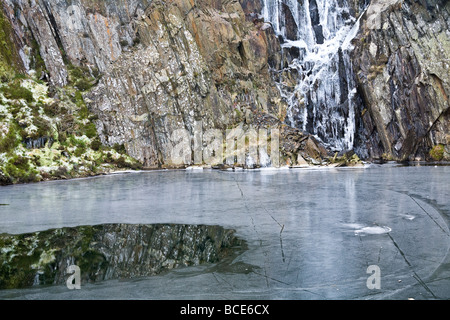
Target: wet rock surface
196, 62
162, 65
402, 67
111, 251
148, 69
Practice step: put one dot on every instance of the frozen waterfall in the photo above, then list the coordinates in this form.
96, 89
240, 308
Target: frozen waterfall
320, 32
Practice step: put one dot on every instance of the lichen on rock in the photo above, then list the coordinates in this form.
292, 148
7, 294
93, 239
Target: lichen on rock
101, 76
181, 72
43, 137
133, 75
401, 55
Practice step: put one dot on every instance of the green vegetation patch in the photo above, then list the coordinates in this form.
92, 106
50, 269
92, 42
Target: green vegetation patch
437, 152
82, 78
9, 59
11, 140
14, 91
44, 138
20, 170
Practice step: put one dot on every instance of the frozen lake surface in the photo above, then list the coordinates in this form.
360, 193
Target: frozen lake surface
311, 233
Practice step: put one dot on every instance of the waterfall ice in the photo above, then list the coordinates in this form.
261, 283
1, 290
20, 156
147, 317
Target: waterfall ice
322, 102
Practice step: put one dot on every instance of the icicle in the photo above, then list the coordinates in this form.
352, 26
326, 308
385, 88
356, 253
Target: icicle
322, 102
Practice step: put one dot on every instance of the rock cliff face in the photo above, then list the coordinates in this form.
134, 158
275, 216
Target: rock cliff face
105, 252
147, 69
196, 62
90, 33
403, 71
158, 67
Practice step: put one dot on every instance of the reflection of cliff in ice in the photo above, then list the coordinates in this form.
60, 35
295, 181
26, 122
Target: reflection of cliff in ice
112, 251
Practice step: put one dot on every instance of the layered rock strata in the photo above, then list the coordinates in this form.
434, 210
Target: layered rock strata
402, 67
161, 67
153, 69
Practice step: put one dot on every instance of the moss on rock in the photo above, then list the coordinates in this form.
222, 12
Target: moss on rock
15, 91
9, 60
44, 138
437, 152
